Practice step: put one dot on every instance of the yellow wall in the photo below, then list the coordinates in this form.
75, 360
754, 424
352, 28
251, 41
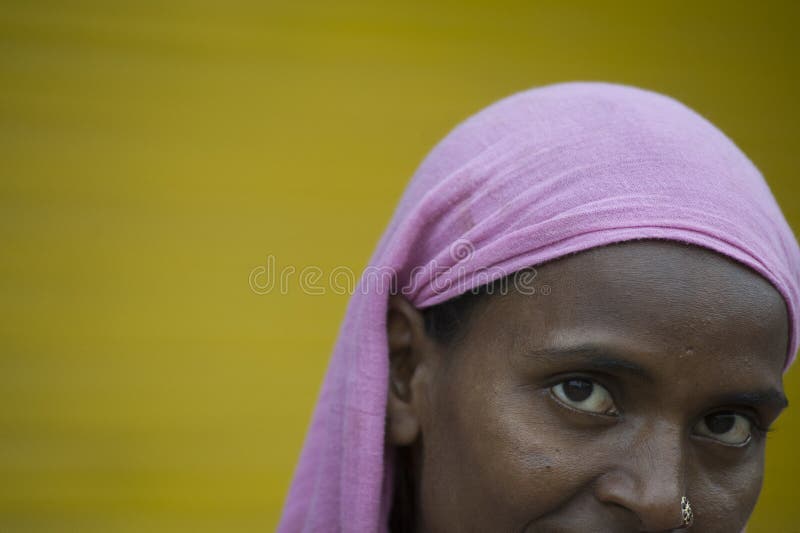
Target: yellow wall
152, 153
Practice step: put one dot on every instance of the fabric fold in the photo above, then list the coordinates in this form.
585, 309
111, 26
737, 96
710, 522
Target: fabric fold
540, 174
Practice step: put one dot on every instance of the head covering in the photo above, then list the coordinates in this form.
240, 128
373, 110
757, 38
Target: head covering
535, 176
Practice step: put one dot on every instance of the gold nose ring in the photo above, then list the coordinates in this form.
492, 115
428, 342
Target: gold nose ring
686, 512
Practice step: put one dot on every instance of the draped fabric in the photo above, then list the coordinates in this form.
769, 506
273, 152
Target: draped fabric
535, 176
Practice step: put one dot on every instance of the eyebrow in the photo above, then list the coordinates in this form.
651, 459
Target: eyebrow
771, 398
596, 356
608, 357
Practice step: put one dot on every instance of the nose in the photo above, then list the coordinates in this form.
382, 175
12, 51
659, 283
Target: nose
647, 477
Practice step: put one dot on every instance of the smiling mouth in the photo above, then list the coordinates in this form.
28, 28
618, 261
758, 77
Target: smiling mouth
584, 526
609, 521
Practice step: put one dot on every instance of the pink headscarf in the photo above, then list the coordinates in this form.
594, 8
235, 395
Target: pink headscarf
539, 174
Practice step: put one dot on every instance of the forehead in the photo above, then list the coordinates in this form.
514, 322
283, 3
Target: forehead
659, 297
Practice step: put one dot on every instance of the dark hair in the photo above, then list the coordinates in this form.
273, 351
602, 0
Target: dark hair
447, 321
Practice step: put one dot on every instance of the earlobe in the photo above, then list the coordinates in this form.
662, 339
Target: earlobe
402, 423
407, 351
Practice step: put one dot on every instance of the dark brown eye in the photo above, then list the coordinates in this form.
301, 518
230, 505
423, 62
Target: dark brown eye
726, 427
585, 395
720, 422
578, 390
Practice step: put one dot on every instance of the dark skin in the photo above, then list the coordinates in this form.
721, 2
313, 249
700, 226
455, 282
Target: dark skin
648, 373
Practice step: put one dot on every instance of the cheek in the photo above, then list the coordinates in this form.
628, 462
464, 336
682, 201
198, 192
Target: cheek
503, 453
725, 496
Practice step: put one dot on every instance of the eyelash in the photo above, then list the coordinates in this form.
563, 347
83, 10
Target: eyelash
759, 430
593, 379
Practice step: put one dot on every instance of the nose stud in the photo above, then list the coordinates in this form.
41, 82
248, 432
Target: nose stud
686, 512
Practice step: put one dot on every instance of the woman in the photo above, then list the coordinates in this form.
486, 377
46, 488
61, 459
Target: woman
577, 320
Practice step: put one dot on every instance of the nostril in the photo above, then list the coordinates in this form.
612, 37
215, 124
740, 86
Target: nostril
653, 498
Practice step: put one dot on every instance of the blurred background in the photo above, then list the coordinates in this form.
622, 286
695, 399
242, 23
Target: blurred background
154, 153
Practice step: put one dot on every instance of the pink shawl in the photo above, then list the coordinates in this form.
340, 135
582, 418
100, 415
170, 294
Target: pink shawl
537, 175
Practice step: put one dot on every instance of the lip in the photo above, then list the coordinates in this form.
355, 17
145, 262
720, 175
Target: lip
578, 525
597, 518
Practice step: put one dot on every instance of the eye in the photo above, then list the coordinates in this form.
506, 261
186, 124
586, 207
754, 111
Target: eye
726, 427
585, 395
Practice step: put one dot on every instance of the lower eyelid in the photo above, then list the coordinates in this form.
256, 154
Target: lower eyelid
718, 442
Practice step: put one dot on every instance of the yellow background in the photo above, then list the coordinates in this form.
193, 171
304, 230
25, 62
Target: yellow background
152, 153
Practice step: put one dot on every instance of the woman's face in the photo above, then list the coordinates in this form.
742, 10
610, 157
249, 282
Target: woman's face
649, 372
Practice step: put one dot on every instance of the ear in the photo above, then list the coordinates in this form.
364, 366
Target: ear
411, 354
